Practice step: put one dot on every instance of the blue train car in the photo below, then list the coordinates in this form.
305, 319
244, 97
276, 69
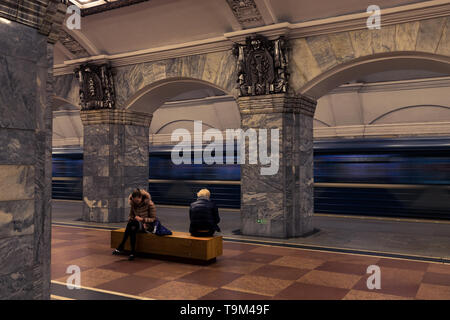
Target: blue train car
67, 173
379, 177
383, 177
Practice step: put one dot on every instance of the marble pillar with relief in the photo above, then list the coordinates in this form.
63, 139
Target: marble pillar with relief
115, 161
279, 205
26, 61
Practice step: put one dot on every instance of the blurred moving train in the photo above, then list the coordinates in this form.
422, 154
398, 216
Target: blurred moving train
377, 177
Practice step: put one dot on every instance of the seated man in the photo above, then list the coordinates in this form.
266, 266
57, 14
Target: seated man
204, 216
141, 219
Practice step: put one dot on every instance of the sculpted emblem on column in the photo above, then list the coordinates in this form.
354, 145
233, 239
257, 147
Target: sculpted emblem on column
262, 66
96, 87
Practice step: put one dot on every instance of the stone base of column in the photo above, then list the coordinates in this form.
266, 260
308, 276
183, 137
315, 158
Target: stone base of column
115, 161
279, 205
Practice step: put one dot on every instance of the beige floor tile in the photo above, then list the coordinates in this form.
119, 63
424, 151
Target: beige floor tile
365, 295
230, 253
330, 279
168, 271
297, 262
95, 277
94, 260
258, 285
178, 291
439, 268
433, 292
235, 266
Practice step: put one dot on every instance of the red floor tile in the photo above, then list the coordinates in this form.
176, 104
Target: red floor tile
58, 270
123, 265
399, 282
238, 246
342, 267
225, 294
280, 272
275, 250
441, 279
255, 257
302, 291
132, 284
210, 277
403, 264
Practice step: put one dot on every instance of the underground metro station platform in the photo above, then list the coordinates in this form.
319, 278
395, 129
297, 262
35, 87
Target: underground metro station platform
331, 264
215, 150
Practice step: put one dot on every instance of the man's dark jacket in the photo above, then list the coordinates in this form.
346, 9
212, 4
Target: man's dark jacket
204, 215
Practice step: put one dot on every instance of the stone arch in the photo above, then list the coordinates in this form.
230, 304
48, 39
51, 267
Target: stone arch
407, 108
320, 63
67, 88
218, 69
59, 103
150, 97
181, 120
351, 70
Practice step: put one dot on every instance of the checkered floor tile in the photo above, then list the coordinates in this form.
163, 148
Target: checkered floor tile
244, 271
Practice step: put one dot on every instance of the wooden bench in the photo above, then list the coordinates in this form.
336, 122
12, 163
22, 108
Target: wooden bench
179, 244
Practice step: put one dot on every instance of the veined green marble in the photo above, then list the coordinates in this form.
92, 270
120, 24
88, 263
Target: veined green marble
429, 34
406, 36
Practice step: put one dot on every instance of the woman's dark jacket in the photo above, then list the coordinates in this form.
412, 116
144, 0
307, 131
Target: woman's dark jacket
204, 215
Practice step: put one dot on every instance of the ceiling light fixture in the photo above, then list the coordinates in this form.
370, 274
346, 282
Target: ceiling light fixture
5, 21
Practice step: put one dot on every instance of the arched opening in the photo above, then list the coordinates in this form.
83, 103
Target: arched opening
67, 160
67, 126
180, 103
356, 68
381, 132
152, 96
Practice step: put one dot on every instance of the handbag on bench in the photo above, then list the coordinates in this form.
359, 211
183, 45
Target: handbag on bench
160, 230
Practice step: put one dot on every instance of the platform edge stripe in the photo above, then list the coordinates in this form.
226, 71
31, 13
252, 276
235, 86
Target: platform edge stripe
55, 297
80, 226
115, 293
344, 250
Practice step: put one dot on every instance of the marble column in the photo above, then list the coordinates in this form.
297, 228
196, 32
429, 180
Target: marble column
115, 161
279, 205
26, 67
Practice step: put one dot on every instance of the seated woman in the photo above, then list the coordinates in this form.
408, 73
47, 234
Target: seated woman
141, 219
204, 216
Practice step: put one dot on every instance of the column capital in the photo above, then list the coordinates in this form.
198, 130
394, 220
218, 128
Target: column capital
115, 116
277, 103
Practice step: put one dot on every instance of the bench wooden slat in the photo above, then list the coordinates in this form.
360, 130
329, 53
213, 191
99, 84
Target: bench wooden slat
179, 244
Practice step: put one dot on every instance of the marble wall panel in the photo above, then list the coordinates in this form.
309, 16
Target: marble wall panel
361, 42
342, 46
322, 51
21, 42
302, 64
444, 43
17, 146
135, 171
16, 218
18, 285
17, 102
429, 34
406, 36
17, 182
16, 252
383, 39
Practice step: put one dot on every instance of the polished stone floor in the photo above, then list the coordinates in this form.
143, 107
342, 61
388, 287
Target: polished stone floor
397, 236
245, 271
